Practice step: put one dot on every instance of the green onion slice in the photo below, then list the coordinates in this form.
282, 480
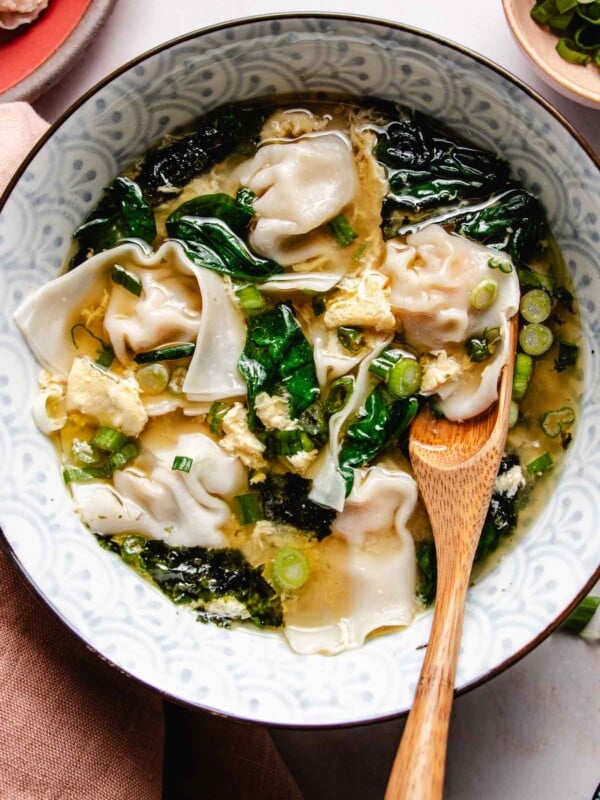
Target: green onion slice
215, 416
291, 568
513, 414
342, 230
540, 464
579, 619
182, 463
78, 475
250, 298
122, 457
587, 37
350, 338
535, 306
405, 378
522, 374
248, 508
500, 264
169, 353
287, 443
339, 393
108, 439
535, 339
553, 422
128, 280
153, 378
530, 279
105, 356
483, 295
568, 50
383, 364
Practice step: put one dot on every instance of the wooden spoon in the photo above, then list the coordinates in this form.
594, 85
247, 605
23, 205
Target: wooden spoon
455, 465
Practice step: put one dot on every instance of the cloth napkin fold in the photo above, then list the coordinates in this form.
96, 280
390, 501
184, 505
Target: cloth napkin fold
73, 728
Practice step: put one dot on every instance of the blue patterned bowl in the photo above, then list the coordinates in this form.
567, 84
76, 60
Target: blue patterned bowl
241, 673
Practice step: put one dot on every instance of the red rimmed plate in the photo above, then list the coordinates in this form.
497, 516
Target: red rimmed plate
34, 56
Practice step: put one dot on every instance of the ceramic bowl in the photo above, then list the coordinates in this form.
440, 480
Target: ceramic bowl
241, 673
574, 81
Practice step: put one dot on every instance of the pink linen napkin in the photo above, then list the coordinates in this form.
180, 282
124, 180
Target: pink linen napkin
72, 728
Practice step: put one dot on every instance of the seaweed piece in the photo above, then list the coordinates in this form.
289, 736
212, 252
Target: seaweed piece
167, 169
285, 499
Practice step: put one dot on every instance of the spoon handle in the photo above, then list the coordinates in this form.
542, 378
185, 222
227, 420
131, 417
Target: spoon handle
418, 770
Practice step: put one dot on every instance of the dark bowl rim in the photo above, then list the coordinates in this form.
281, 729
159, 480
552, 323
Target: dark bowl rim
55, 126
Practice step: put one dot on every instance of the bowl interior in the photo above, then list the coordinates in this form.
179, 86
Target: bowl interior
242, 673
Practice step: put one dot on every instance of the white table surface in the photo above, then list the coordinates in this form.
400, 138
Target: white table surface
534, 732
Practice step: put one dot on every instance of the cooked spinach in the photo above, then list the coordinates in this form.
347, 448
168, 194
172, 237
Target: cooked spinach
285, 499
122, 213
383, 421
235, 214
277, 359
200, 575
167, 169
428, 169
515, 223
212, 244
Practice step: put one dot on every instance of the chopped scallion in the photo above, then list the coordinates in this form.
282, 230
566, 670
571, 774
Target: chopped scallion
513, 414
78, 475
579, 619
291, 568
569, 50
350, 338
535, 306
535, 339
339, 393
540, 464
169, 353
108, 439
530, 279
405, 378
383, 364
248, 508
128, 280
287, 443
215, 416
153, 378
500, 264
122, 457
483, 295
522, 374
250, 298
106, 354
342, 230
182, 463
553, 422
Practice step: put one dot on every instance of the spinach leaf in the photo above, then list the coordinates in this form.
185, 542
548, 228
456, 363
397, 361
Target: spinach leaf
285, 499
200, 575
237, 215
276, 358
428, 169
212, 244
515, 223
382, 423
167, 169
123, 212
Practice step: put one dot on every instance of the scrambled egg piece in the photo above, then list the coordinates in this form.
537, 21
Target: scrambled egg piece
362, 301
300, 462
274, 412
111, 400
239, 439
438, 369
510, 482
96, 313
292, 123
